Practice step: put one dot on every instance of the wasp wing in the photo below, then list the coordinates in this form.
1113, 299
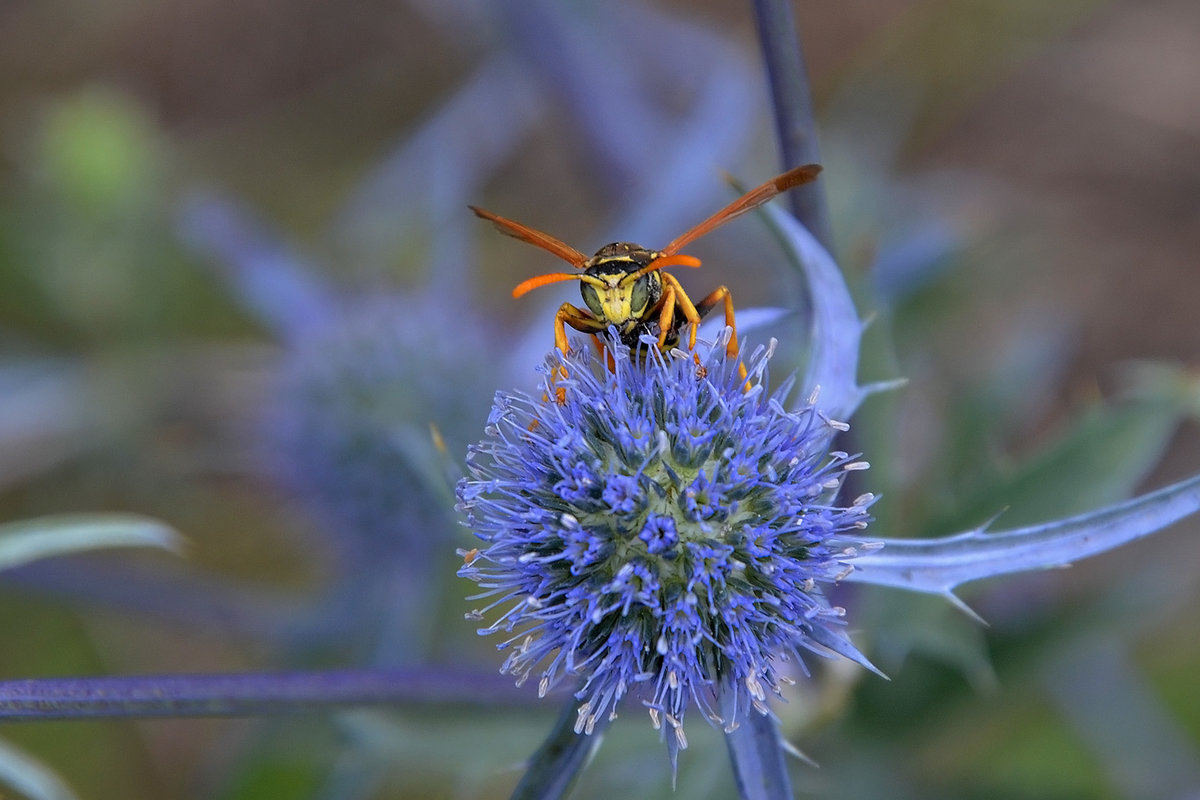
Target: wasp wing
534, 237
747, 202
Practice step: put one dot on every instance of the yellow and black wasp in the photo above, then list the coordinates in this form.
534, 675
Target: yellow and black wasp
625, 285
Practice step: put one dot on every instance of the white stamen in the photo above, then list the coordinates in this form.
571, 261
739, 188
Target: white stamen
581, 718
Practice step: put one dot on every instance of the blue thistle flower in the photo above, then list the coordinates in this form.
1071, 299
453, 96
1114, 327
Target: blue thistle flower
664, 533
351, 428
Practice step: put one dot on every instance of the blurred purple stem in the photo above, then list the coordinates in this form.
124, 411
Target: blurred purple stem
249, 694
791, 98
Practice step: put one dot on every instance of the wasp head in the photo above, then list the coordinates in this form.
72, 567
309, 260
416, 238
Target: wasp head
616, 287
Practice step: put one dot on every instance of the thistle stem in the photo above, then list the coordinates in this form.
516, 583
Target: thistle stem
757, 751
791, 99
563, 755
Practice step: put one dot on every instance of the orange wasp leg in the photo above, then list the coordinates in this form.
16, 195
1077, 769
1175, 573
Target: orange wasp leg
722, 295
581, 321
693, 313
678, 299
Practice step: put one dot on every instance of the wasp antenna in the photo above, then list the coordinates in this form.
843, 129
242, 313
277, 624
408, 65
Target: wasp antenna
747, 202
534, 237
662, 262
524, 287
797, 176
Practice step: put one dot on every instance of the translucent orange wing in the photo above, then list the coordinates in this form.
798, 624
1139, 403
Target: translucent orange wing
533, 237
747, 202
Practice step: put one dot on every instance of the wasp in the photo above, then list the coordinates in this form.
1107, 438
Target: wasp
625, 285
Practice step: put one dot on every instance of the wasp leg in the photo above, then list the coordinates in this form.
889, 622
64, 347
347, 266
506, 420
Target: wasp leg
680, 301
578, 319
666, 311
581, 321
693, 313
722, 295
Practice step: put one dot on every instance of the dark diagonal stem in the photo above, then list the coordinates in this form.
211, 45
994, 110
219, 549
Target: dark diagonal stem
556, 765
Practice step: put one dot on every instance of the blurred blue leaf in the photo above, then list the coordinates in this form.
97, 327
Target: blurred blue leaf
45, 537
427, 180
272, 282
1093, 682
44, 413
24, 774
673, 190
908, 263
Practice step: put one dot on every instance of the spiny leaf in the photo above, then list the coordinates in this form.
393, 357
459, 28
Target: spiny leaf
937, 566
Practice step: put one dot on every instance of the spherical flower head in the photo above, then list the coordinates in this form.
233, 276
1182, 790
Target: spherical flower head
668, 531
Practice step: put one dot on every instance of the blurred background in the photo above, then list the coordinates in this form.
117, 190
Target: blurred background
240, 291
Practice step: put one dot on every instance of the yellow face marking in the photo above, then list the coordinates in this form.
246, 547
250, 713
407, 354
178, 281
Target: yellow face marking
615, 293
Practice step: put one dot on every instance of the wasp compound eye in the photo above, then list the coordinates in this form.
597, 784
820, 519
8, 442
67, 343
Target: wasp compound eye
591, 299
640, 296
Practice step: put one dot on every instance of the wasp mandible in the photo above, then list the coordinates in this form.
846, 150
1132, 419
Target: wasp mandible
625, 285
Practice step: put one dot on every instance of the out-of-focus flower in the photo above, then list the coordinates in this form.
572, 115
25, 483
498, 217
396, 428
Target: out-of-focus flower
363, 408
665, 532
